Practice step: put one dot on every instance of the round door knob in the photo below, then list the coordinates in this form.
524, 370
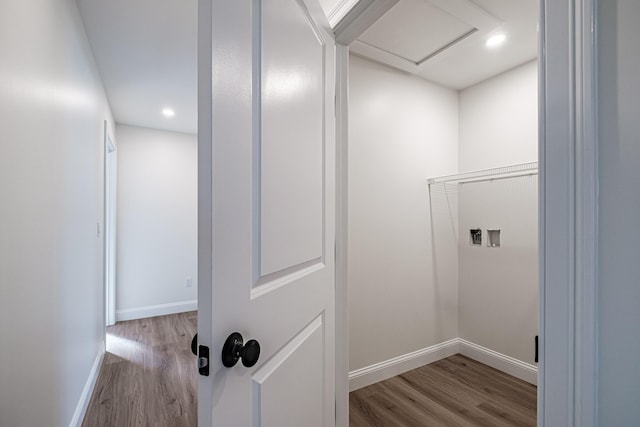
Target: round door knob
234, 349
194, 345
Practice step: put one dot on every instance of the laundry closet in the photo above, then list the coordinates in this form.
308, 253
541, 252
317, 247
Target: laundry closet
443, 188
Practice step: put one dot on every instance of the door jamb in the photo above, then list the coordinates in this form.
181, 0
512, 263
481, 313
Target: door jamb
205, 194
342, 294
567, 391
109, 240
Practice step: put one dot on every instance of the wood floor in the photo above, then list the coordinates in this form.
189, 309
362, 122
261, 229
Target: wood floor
148, 377
455, 391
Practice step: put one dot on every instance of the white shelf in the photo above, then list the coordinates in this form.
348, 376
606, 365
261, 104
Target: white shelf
521, 169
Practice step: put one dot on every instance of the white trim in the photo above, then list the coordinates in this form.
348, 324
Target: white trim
359, 18
499, 361
205, 199
586, 322
110, 225
398, 365
87, 391
156, 310
342, 200
568, 214
340, 10
541, 210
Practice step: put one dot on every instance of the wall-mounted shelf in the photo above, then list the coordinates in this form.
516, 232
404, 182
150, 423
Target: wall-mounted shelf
521, 169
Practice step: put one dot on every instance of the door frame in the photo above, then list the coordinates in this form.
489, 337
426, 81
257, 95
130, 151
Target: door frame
205, 192
568, 211
567, 390
109, 243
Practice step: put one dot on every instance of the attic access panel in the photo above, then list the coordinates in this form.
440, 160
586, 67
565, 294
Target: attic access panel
416, 30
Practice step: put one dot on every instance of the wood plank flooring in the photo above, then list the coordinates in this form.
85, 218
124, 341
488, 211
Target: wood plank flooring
148, 377
455, 391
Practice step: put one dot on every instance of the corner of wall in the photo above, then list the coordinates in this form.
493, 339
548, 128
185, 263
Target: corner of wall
87, 391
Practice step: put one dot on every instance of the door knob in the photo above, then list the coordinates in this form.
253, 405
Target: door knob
234, 348
194, 345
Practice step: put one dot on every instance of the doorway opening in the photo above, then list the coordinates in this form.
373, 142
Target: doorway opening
149, 74
420, 290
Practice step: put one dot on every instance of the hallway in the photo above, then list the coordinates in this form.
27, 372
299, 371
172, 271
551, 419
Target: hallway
148, 376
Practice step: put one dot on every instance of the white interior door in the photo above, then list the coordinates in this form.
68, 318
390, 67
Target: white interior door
267, 211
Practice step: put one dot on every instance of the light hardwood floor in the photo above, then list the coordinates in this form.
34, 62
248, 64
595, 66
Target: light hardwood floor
148, 377
455, 391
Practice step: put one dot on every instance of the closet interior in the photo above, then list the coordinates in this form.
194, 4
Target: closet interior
443, 188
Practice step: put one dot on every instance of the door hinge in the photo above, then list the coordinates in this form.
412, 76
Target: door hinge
203, 360
535, 359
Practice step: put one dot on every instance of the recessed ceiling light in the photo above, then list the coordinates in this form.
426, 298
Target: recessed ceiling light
168, 112
496, 40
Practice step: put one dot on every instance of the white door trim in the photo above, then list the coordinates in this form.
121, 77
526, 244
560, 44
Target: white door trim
109, 242
360, 17
205, 196
339, 11
342, 294
568, 214
587, 221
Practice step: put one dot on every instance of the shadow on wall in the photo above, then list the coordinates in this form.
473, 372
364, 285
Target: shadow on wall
443, 210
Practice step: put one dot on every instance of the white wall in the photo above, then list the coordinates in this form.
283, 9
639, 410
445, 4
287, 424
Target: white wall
402, 130
498, 120
157, 222
498, 287
52, 108
619, 206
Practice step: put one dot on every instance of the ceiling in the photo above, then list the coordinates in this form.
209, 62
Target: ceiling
146, 50
444, 40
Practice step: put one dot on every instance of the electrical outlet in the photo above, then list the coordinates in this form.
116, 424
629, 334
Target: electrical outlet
188, 282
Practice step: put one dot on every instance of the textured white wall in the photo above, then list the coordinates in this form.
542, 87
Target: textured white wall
619, 204
498, 120
498, 287
402, 130
157, 220
52, 108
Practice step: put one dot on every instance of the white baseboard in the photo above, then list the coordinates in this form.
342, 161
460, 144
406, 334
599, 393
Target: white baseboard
499, 361
156, 310
401, 364
87, 391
